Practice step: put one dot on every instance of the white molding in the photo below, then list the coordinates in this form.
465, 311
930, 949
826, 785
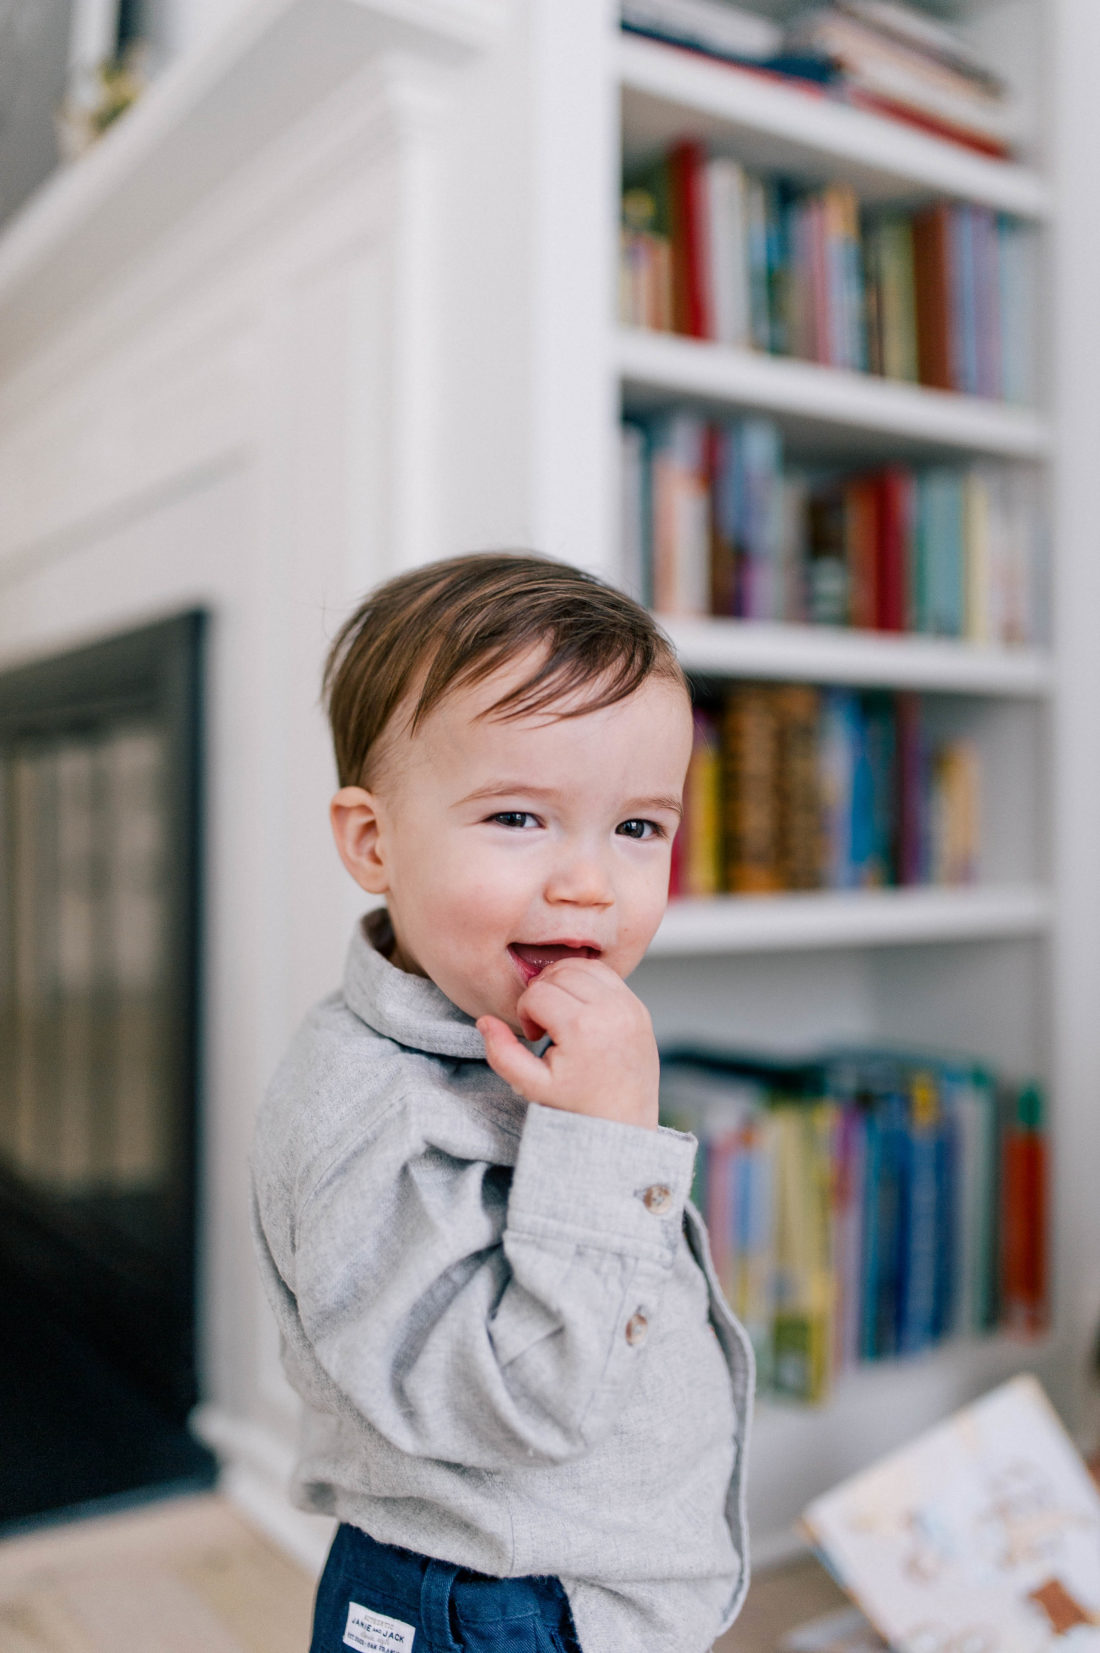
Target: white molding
322, 159
256, 1466
656, 368
669, 94
205, 118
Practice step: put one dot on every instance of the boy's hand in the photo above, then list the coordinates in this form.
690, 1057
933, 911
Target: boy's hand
603, 1060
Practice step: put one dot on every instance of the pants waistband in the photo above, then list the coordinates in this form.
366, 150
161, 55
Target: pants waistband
428, 1586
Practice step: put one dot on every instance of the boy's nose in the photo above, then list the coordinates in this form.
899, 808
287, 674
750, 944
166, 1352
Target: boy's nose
580, 879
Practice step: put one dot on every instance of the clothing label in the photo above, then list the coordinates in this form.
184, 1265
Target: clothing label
371, 1632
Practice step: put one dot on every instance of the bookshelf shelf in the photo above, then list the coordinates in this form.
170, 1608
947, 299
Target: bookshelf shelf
823, 409
858, 918
668, 94
826, 654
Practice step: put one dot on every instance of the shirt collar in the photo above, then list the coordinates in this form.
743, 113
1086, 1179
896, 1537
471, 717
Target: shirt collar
409, 1009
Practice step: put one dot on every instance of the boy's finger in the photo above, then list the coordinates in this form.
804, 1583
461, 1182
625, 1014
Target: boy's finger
517, 1066
583, 979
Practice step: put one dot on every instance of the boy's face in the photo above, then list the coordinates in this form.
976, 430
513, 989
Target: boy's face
501, 845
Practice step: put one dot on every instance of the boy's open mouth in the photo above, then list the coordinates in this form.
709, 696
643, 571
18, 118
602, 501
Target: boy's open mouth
534, 956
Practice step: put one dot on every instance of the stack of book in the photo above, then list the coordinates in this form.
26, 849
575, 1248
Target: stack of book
714, 522
792, 787
900, 62
865, 1204
940, 295
875, 54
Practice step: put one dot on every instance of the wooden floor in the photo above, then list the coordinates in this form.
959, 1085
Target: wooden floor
185, 1576
192, 1576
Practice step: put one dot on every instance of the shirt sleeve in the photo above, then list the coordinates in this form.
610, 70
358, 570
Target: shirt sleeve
483, 1316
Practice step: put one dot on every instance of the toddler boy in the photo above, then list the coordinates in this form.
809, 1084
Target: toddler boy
525, 1399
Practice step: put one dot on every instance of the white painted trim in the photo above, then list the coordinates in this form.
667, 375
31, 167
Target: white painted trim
206, 116
256, 1466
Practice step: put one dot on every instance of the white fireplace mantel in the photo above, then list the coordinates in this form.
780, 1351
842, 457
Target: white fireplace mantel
208, 115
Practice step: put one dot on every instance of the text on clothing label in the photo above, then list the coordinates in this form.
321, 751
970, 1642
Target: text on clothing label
370, 1632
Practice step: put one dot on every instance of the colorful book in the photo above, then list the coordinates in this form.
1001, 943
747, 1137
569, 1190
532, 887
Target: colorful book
988, 1524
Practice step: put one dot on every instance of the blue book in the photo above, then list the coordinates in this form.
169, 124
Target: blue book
942, 540
760, 456
839, 742
947, 1284
781, 203
886, 1150
1016, 264
920, 1216
964, 302
881, 747
863, 868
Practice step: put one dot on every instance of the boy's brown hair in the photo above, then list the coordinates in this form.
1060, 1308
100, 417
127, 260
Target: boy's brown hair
454, 622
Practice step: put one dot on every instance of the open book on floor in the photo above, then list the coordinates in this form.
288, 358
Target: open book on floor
981, 1536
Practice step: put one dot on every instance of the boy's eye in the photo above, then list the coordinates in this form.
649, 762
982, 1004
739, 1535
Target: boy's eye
514, 818
640, 829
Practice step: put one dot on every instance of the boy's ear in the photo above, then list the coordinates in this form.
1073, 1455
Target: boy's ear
357, 831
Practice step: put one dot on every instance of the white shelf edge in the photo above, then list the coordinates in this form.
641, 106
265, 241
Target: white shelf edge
827, 654
657, 365
883, 150
859, 918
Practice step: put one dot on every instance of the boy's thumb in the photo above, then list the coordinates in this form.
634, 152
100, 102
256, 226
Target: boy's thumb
516, 1065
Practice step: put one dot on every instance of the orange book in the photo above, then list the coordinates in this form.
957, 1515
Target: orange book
750, 751
861, 505
800, 826
699, 859
932, 281
1024, 1218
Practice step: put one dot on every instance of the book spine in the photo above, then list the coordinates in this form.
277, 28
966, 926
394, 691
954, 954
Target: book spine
750, 749
1025, 1218
700, 835
861, 498
931, 270
798, 711
634, 493
692, 310
892, 549
920, 1217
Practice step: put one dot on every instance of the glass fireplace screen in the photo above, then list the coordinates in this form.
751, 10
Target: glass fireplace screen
99, 896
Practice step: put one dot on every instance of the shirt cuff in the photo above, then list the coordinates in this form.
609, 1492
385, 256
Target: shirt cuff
598, 1182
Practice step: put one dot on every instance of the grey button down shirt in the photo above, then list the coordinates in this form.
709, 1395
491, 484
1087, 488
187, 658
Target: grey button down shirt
502, 1319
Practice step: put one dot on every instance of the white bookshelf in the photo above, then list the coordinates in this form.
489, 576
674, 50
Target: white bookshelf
961, 967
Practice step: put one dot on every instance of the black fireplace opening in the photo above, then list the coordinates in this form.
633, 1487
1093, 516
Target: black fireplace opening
100, 869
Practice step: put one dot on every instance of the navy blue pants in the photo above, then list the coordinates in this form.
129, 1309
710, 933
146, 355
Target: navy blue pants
376, 1598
